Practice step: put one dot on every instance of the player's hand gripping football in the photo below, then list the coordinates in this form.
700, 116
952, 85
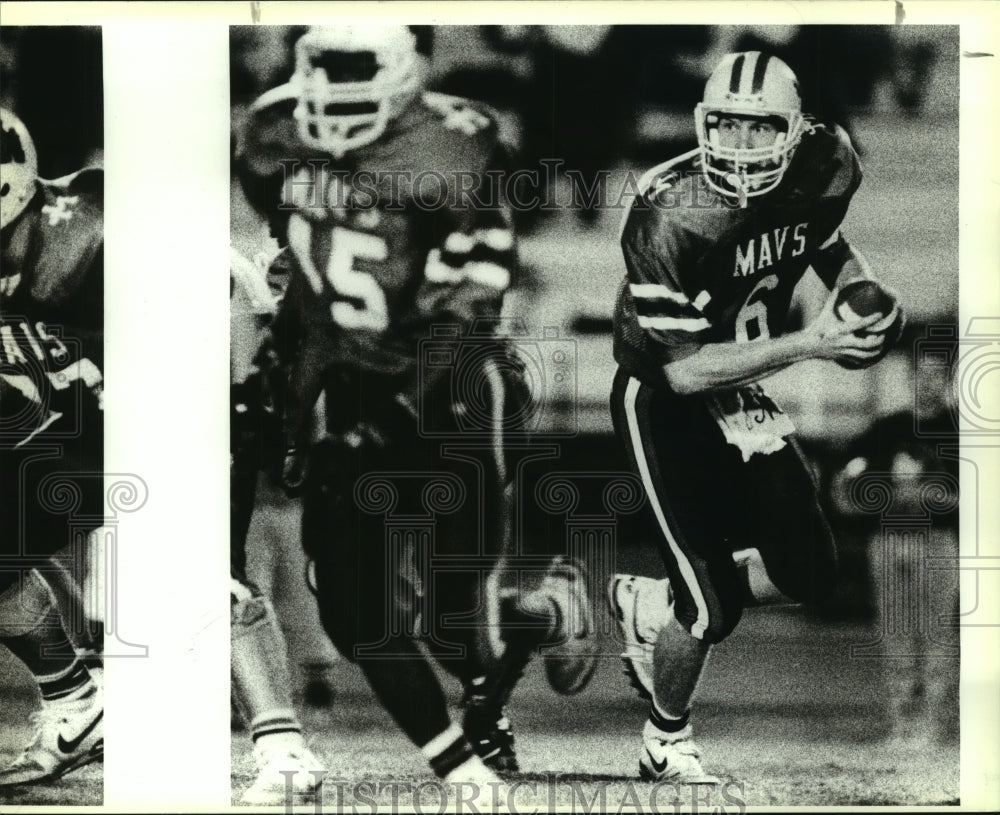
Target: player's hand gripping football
843, 340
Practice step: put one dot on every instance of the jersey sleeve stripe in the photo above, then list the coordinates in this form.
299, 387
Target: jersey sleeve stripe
665, 308
656, 291
484, 272
702, 300
488, 274
673, 323
499, 240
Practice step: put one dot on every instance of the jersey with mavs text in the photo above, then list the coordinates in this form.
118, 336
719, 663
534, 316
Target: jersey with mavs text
51, 368
702, 270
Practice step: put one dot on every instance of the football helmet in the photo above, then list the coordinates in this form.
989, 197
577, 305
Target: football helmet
350, 81
749, 85
18, 167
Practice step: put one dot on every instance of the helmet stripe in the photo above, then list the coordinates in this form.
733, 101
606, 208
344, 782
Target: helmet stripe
759, 71
748, 72
734, 79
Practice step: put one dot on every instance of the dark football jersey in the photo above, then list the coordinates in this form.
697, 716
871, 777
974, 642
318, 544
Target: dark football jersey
51, 374
52, 326
701, 270
397, 237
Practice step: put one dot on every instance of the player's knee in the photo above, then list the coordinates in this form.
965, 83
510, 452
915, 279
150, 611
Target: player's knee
758, 587
25, 602
809, 582
711, 626
721, 626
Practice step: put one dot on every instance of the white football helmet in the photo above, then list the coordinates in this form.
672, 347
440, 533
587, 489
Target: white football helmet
18, 167
350, 82
755, 85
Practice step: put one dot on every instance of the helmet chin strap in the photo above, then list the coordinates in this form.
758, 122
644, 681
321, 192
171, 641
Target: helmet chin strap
741, 191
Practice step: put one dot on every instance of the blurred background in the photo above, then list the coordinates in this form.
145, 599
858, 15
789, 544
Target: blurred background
52, 77
809, 684
621, 98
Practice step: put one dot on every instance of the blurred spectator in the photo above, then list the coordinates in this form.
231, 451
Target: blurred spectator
902, 491
670, 63
571, 88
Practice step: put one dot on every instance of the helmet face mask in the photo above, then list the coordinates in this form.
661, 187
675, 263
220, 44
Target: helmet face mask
18, 167
350, 82
759, 88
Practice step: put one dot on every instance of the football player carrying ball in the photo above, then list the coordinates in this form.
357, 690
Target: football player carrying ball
714, 248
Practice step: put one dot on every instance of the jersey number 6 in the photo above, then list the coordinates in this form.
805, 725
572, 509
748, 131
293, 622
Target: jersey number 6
346, 247
751, 322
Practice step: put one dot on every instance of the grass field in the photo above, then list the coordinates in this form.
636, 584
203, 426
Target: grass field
785, 717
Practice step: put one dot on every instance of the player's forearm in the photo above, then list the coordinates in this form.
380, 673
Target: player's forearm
717, 366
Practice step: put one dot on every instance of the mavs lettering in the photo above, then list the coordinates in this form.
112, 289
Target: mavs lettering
768, 248
39, 377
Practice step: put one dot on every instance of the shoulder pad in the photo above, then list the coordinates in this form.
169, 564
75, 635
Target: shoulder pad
460, 115
826, 164
88, 182
667, 175
70, 233
647, 212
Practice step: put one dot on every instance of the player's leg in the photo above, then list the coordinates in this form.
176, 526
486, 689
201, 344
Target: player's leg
550, 610
276, 565
355, 593
76, 578
259, 667
261, 690
689, 477
797, 554
68, 729
461, 604
785, 527
518, 612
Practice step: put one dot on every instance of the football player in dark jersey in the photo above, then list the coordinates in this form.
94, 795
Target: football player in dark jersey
714, 247
51, 441
260, 676
401, 459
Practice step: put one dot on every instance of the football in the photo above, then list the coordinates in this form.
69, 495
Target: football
859, 298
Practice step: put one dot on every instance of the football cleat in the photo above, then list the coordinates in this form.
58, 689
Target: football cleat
671, 757
639, 631
486, 786
571, 659
487, 728
288, 773
68, 734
